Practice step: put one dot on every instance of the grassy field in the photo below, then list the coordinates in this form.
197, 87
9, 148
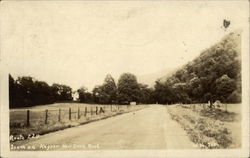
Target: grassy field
210, 128
18, 117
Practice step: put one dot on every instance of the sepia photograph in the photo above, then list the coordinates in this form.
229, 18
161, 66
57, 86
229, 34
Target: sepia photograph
124, 78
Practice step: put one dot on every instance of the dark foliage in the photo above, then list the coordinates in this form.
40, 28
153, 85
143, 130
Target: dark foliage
126, 91
84, 96
26, 91
107, 92
214, 75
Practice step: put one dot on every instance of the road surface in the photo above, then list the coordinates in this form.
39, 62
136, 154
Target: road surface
149, 128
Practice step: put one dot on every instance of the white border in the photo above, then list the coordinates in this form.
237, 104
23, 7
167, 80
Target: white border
243, 152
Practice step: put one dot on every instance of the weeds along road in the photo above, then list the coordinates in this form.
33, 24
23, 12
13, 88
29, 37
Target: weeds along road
149, 128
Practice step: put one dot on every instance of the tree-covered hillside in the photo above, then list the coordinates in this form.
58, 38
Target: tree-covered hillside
214, 75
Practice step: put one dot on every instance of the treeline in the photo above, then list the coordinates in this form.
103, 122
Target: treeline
214, 75
125, 91
26, 91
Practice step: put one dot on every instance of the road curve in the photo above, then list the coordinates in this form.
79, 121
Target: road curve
149, 128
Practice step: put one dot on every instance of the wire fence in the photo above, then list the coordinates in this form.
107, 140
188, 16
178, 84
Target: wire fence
38, 117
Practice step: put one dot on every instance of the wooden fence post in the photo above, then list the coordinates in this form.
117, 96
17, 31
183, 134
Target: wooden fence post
69, 113
59, 115
28, 118
46, 116
96, 110
78, 113
102, 110
111, 107
91, 110
85, 112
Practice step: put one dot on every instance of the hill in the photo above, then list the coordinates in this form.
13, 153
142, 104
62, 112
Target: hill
214, 75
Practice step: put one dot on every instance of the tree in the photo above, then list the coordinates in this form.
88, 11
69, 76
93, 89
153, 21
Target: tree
61, 92
163, 93
15, 97
26, 88
146, 94
234, 97
97, 94
224, 87
41, 93
128, 89
27, 91
82, 94
109, 90
180, 93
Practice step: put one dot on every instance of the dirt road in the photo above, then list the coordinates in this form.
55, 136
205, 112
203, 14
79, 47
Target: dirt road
149, 128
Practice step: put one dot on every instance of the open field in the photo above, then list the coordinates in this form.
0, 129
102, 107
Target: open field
210, 128
48, 118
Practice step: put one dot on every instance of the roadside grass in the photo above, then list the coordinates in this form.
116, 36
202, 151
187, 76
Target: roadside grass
19, 129
208, 129
219, 114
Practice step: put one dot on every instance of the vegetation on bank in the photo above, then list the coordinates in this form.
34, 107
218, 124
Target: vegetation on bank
205, 129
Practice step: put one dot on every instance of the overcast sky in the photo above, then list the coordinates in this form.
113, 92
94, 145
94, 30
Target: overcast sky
78, 43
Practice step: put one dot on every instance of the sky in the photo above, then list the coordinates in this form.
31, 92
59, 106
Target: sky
77, 43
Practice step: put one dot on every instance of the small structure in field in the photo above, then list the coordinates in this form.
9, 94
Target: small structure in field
217, 103
75, 96
133, 103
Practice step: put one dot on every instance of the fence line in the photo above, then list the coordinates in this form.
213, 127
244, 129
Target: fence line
205, 106
59, 116
28, 118
47, 116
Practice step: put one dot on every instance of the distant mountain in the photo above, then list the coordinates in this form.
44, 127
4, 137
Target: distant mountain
164, 77
150, 78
